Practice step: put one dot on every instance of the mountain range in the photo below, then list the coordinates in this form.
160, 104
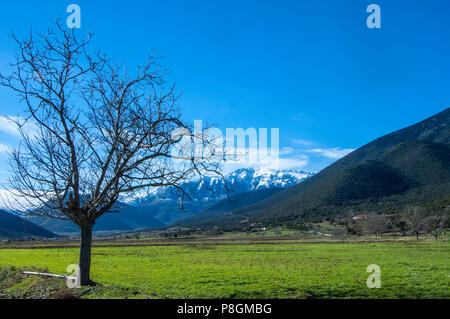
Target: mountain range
12, 226
215, 188
407, 167
410, 166
161, 207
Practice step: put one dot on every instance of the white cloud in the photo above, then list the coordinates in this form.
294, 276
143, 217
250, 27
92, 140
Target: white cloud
302, 142
297, 162
333, 153
3, 148
293, 163
288, 159
8, 125
286, 150
13, 200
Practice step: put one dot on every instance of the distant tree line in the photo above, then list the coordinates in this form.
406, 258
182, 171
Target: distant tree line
413, 220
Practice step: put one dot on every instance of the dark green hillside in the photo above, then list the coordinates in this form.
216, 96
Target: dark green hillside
13, 227
410, 166
371, 179
423, 162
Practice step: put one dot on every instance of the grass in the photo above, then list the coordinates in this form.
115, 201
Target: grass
277, 270
13, 284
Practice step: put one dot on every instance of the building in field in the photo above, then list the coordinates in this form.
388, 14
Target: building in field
359, 217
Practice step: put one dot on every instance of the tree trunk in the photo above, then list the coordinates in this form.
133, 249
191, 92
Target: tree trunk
85, 255
417, 236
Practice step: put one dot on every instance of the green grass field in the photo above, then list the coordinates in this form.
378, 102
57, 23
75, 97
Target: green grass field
322, 270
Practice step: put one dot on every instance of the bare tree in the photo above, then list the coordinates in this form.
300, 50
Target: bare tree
355, 227
415, 218
377, 224
435, 224
98, 133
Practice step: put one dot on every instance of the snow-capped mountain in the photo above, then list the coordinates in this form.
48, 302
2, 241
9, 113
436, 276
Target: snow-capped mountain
238, 182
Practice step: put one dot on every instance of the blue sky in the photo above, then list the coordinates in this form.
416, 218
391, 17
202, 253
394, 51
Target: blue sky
311, 68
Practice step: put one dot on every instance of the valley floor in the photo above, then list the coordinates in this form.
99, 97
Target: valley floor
222, 268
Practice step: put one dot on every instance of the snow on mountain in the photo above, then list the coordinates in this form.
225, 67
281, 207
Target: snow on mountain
238, 182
